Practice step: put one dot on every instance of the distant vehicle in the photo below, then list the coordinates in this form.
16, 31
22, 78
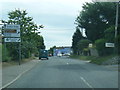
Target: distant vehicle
66, 54
59, 55
43, 54
50, 55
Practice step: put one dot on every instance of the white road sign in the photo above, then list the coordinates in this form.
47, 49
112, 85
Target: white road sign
109, 45
12, 30
90, 45
12, 39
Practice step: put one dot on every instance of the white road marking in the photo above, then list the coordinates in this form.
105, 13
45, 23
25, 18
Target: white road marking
86, 82
36, 60
16, 78
87, 61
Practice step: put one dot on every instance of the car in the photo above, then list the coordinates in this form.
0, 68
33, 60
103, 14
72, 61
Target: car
67, 54
50, 55
59, 55
43, 54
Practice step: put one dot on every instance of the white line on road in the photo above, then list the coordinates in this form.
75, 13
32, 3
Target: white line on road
86, 82
87, 61
16, 78
36, 60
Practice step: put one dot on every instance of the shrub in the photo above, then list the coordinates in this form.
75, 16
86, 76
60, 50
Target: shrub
102, 50
100, 46
117, 44
5, 54
83, 46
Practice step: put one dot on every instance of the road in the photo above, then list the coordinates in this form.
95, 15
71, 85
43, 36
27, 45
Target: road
63, 72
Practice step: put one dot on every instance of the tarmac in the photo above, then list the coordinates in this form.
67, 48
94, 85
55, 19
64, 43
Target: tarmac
12, 73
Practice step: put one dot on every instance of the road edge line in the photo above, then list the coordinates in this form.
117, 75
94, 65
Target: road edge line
17, 77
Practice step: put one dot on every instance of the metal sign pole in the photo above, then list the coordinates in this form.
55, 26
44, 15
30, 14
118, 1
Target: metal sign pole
19, 53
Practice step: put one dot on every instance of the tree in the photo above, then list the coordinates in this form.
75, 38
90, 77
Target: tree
76, 37
30, 40
117, 44
109, 34
100, 46
51, 50
95, 18
83, 46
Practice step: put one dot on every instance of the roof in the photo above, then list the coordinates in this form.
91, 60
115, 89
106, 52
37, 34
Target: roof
63, 47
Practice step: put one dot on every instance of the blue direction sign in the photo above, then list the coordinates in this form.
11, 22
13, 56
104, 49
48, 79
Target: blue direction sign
12, 30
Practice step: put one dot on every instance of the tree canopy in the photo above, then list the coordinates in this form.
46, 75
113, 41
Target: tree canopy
95, 18
31, 42
98, 20
76, 37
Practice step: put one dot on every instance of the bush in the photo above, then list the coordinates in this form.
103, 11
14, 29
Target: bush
83, 46
100, 46
117, 44
5, 54
102, 50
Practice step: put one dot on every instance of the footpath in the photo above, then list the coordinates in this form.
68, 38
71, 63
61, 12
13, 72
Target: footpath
12, 73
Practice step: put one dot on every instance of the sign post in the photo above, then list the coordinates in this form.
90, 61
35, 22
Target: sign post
12, 34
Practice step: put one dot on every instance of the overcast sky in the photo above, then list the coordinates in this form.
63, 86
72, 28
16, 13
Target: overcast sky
57, 16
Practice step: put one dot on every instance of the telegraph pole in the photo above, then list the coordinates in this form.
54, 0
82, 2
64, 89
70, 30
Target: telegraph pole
116, 21
116, 25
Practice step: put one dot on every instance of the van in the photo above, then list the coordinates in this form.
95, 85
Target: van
43, 54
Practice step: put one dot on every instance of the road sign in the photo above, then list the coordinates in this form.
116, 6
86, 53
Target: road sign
12, 34
109, 45
90, 45
12, 39
11, 30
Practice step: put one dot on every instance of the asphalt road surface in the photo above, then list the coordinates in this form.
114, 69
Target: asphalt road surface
63, 72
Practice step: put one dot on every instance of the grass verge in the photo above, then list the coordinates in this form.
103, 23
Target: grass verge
11, 63
93, 59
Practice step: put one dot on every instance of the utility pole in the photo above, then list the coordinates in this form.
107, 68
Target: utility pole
116, 25
116, 21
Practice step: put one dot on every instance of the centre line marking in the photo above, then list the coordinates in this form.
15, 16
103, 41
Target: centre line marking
86, 82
